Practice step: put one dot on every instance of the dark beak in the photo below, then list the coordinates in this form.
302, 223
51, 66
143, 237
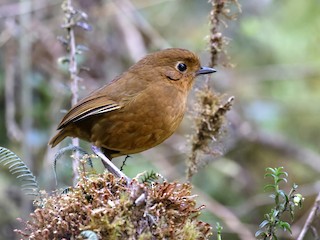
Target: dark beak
205, 70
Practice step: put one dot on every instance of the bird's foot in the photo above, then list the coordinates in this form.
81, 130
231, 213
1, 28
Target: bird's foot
109, 165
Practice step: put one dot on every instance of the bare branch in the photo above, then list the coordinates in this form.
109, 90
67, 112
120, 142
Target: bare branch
310, 219
69, 23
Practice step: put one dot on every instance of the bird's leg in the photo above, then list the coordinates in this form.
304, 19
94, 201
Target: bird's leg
109, 165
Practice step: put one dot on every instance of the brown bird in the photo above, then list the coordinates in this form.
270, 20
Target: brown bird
137, 110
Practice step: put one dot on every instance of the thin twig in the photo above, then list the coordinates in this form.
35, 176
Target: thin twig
310, 219
73, 70
25, 46
73, 67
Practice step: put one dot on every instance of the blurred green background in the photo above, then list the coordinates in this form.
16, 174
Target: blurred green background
273, 47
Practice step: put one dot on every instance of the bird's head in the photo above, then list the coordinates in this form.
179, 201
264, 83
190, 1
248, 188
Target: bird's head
175, 65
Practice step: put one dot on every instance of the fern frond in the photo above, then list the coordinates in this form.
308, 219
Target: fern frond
18, 168
150, 177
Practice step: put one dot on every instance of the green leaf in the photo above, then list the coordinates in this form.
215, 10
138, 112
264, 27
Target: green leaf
283, 195
285, 226
269, 186
260, 233
270, 175
273, 170
279, 173
281, 179
275, 213
264, 223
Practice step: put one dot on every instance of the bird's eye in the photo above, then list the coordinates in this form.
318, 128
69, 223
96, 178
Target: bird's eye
181, 67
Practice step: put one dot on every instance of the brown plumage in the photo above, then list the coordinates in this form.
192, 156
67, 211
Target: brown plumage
139, 109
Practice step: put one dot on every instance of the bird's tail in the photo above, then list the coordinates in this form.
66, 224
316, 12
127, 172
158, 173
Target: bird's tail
58, 138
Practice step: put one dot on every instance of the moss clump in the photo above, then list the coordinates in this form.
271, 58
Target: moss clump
114, 210
209, 119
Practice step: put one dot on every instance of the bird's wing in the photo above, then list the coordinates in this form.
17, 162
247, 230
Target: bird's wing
88, 107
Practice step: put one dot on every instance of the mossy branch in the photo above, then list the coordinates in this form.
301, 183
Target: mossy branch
210, 113
107, 207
